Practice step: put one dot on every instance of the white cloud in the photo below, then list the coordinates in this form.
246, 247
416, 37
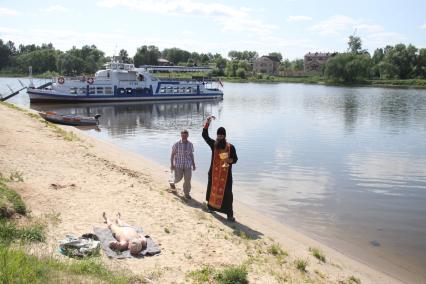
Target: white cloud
6, 30
55, 9
369, 28
298, 18
230, 18
423, 26
382, 39
372, 34
334, 25
8, 12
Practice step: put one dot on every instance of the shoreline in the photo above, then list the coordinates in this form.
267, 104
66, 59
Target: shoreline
106, 170
387, 84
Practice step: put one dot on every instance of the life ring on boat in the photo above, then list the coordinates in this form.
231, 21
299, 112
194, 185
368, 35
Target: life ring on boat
61, 80
90, 80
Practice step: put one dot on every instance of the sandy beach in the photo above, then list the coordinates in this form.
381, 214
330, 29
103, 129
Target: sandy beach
78, 178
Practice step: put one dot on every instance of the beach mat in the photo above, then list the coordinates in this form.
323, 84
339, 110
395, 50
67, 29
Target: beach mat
105, 237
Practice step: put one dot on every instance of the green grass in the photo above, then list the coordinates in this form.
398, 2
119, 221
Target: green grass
10, 201
18, 267
318, 254
353, 280
232, 275
242, 235
229, 275
301, 264
203, 275
10, 232
420, 83
276, 250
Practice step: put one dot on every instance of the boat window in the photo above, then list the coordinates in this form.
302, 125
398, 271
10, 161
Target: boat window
108, 90
182, 89
91, 90
176, 90
162, 90
99, 90
120, 66
140, 77
188, 90
73, 91
82, 91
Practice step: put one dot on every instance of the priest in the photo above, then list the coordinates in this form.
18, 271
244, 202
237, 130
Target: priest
219, 188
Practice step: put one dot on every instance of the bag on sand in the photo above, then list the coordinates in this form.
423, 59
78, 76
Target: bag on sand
86, 245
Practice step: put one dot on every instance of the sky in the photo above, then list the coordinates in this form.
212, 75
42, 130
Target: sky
291, 27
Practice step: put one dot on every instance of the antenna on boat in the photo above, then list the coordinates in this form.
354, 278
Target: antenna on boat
30, 76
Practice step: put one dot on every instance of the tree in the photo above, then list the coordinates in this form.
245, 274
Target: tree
243, 55
403, 57
231, 68
388, 70
277, 55
285, 65
220, 63
146, 55
298, 64
244, 64
355, 44
124, 56
5, 54
176, 55
378, 55
421, 64
69, 64
41, 60
241, 72
348, 68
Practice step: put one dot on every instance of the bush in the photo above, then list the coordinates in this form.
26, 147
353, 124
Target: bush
10, 202
10, 232
317, 254
232, 275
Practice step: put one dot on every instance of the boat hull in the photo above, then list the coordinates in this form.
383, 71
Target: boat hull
44, 96
72, 120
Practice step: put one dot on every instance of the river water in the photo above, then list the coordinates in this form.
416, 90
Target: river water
347, 166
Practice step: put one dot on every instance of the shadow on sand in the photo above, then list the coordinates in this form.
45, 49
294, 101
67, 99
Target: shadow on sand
239, 229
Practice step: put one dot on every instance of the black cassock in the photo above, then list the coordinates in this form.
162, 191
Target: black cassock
228, 197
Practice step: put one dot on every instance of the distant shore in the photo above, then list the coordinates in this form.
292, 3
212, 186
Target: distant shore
68, 173
385, 83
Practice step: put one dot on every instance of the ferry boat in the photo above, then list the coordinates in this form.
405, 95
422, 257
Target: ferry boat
122, 82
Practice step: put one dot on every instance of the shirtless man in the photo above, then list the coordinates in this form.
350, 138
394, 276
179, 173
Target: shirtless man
127, 237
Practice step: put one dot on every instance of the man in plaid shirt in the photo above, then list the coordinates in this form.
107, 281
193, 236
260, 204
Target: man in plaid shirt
183, 163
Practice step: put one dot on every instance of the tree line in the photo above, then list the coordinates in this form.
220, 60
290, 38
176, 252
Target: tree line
391, 62
356, 65
89, 59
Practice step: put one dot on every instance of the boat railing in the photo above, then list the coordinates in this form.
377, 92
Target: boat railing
205, 80
76, 79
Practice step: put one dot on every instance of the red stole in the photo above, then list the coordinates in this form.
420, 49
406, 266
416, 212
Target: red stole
219, 177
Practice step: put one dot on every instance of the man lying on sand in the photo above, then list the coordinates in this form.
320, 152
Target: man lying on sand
127, 237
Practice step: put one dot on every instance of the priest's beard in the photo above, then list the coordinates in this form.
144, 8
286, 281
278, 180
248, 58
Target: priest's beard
220, 144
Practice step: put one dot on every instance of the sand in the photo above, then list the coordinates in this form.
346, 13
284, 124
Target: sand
70, 183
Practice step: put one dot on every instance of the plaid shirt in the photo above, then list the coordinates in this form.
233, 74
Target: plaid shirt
183, 157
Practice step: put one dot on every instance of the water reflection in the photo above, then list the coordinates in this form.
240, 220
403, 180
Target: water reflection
395, 174
125, 119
